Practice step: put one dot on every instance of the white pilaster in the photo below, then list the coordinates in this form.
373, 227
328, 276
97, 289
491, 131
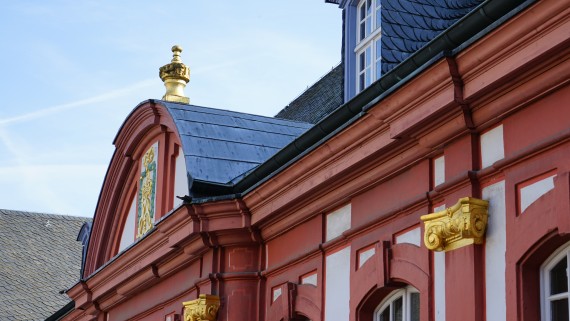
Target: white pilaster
337, 286
495, 249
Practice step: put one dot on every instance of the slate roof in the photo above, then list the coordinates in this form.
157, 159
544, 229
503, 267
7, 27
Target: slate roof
221, 145
317, 101
39, 257
407, 25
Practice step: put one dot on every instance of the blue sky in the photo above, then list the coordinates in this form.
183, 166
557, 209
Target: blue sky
73, 70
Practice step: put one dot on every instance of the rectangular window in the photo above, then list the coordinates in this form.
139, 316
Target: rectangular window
368, 49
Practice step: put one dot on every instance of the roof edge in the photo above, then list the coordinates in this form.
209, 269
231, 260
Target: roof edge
62, 312
474, 25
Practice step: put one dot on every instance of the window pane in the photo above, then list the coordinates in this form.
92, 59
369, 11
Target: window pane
362, 31
378, 59
559, 310
368, 6
398, 310
558, 277
368, 81
385, 315
378, 49
414, 306
378, 70
378, 18
368, 25
362, 60
361, 82
362, 12
368, 56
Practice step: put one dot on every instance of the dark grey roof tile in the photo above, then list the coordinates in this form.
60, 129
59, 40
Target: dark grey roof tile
317, 101
407, 25
220, 145
39, 257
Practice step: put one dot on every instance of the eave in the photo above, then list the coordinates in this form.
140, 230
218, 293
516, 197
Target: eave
175, 242
406, 126
480, 22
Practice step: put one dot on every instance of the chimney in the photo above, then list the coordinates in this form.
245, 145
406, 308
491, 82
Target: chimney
175, 76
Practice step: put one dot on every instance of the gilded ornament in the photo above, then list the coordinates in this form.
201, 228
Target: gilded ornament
147, 189
459, 225
205, 308
175, 76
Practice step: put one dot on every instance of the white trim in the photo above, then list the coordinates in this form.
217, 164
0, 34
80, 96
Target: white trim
439, 279
366, 40
412, 237
492, 146
338, 222
276, 293
337, 285
180, 178
128, 234
530, 193
439, 285
310, 279
365, 255
495, 251
439, 170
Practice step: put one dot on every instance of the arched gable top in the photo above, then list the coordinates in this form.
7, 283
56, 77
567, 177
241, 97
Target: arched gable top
163, 149
148, 136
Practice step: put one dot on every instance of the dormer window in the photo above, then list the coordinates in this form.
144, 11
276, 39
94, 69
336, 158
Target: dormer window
368, 48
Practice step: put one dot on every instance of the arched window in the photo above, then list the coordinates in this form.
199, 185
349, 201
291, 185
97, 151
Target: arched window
402, 305
554, 286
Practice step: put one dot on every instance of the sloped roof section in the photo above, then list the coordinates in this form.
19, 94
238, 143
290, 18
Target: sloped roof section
220, 145
39, 257
317, 101
407, 25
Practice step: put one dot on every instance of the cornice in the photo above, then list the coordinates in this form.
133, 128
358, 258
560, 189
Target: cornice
176, 241
425, 119
513, 46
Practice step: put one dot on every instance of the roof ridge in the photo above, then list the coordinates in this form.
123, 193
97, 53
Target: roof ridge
239, 113
46, 215
308, 87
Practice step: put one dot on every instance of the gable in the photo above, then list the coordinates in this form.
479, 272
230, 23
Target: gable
163, 150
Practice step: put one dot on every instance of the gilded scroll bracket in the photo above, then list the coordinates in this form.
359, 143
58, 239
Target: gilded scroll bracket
205, 308
459, 225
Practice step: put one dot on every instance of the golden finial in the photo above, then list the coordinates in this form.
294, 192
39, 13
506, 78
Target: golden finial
175, 76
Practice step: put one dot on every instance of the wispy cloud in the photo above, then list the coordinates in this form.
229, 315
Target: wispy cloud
43, 187
79, 103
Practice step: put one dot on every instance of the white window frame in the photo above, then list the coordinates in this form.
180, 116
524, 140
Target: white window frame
405, 294
545, 297
369, 45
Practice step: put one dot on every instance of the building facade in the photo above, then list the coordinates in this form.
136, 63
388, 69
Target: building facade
440, 191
